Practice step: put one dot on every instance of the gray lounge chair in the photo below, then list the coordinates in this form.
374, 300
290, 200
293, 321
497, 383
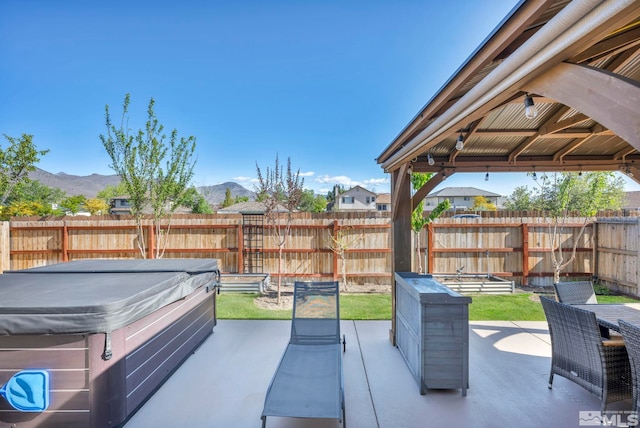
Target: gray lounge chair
308, 382
580, 354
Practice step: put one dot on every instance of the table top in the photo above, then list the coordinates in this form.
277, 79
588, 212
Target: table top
609, 314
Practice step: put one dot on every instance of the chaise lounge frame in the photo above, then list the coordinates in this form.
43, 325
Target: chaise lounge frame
308, 382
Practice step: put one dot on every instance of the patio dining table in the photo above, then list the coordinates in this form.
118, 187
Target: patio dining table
609, 314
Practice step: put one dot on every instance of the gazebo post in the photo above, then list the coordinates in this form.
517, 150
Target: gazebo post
401, 232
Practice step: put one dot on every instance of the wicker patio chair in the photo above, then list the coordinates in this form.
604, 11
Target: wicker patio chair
580, 354
631, 335
575, 292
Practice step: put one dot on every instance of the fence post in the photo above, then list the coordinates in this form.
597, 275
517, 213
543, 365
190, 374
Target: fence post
430, 258
5, 247
334, 232
525, 253
241, 247
65, 242
596, 234
152, 242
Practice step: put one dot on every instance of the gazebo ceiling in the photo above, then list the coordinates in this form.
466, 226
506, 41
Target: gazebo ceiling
580, 63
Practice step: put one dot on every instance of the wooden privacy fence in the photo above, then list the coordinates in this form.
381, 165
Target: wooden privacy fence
307, 254
617, 252
517, 248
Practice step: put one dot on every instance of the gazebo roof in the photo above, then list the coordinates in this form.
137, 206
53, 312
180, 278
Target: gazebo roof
580, 63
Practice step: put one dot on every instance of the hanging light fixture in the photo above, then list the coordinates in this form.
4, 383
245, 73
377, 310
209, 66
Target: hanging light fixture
486, 176
460, 142
430, 159
533, 174
530, 109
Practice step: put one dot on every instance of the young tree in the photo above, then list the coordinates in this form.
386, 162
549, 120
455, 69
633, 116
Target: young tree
110, 192
156, 173
584, 193
418, 220
197, 202
310, 202
33, 190
332, 195
521, 199
228, 199
73, 204
16, 161
480, 203
339, 244
96, 206
281, 195
27, 208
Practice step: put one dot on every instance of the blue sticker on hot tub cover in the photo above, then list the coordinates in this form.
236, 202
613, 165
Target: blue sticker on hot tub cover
28, 391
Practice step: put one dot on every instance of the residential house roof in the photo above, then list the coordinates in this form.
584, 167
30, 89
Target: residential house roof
359, 188
383, 198
463, 191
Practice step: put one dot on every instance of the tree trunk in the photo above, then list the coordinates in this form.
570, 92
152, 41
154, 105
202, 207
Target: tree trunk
344, 272
279, 272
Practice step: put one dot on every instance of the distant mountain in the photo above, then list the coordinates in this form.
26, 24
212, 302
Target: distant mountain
215, 194
88, 185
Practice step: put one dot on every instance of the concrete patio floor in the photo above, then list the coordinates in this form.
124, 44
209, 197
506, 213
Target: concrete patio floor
223, 384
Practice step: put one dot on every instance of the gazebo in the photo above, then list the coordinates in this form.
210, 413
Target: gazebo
555, 87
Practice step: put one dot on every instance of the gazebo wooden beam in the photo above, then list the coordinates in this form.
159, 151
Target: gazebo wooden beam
541, 163
422, 192
529, 141
560, 154
588, 90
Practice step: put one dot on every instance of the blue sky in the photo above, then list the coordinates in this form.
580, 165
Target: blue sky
328, 83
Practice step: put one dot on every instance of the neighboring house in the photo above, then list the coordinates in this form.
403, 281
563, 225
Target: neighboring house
120, 205
383, 202
460, 198
356, 199
632, 201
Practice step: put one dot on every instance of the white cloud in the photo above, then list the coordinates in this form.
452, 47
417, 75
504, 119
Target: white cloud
337, 179
307, 174
242, 179
376, 181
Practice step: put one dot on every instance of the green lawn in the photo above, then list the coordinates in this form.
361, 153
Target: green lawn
503, 307
352, 306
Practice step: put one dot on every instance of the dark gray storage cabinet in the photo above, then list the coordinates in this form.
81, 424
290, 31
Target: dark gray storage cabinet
432, 332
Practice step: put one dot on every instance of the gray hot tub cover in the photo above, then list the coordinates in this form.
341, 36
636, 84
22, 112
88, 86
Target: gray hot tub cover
95, 296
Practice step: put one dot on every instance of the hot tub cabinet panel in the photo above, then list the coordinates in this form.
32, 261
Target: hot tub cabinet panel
90, 390
432, 332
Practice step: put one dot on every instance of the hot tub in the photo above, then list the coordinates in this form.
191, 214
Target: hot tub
109, 332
